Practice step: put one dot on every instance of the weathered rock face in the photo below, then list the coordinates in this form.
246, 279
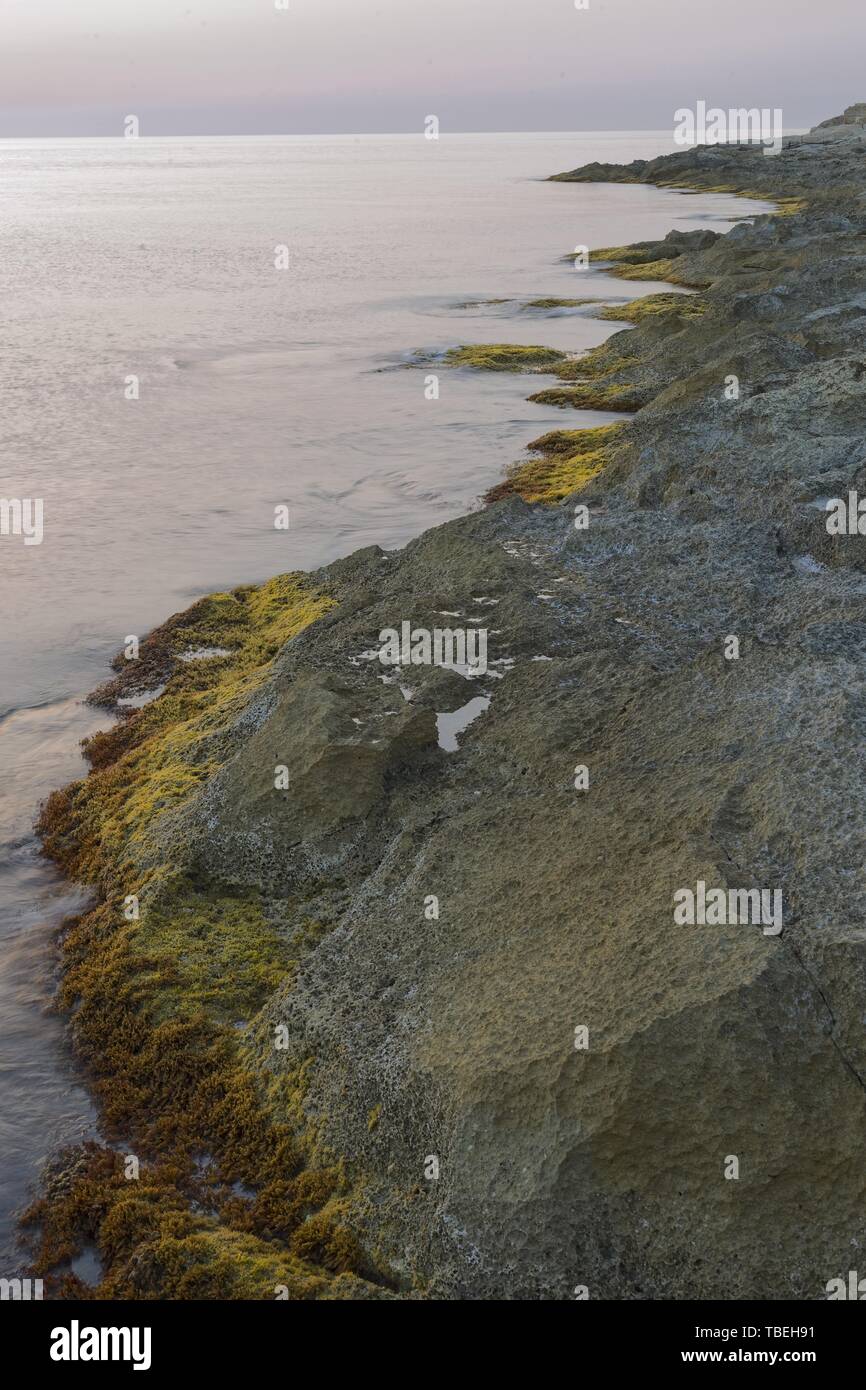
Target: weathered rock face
605, 1166
852, 116
604, 1157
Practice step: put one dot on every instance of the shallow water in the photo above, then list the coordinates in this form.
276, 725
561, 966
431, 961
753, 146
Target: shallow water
257, 387
42, 1102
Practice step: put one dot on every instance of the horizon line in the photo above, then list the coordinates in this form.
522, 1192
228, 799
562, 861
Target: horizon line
365, 134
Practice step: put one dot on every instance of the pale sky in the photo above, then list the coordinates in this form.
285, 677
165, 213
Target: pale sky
78, 67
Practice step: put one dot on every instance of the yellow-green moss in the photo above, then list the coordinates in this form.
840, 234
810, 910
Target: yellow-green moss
210, 953
556, 303
177, 1083
599, 362
151, 762
251, 622
503, 357
782, 206
649, 270
647, 305
152, 1245
158, 999
790, 207
569, 460
635, 263
624, 255
592, 396
568, 177
549, 302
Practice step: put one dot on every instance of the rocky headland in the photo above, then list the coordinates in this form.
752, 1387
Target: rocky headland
379, 1018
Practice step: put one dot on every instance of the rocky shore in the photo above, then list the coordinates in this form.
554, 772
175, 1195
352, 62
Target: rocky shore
379, 1018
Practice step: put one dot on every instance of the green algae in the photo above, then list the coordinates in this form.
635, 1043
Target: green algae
624, 255
549, 302
639, 263
569, 459
591, 373
211, 953
155, 759
503, 357
153, 1245
157, 1001
593, 396
664, 269
568, 177
703, 182
251, 623
782, 206
553, 303
598, 362
646, 306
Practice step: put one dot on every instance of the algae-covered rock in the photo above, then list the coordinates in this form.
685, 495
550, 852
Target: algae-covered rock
470, 1043
503, 357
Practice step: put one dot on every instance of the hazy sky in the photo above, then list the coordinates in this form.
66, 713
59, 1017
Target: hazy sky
78, 67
